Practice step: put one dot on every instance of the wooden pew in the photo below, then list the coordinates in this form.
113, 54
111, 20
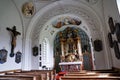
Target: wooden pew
93, 72
97, 74
20, 77
51, 73
44, 74
10, 71
13, 78
89, 78
91, 75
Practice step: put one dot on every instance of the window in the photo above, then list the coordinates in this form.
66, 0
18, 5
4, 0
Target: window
118, 4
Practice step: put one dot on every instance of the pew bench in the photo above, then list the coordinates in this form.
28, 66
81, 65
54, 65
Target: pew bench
44, 74
21, 77
89, 78
4, 77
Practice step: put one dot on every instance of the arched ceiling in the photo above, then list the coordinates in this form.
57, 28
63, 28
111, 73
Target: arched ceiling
63, 7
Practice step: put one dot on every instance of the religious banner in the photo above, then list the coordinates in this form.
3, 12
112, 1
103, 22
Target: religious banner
18, 57
3, 56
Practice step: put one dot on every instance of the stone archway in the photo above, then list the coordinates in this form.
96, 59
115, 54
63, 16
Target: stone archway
41, 18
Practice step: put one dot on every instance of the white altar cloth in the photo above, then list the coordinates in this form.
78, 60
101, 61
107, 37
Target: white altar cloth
71, 66
70, 63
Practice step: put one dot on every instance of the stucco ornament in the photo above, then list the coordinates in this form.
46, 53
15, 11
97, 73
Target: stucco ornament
28, 9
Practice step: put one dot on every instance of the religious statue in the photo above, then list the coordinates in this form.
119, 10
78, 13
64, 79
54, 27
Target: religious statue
28, 9
14, 34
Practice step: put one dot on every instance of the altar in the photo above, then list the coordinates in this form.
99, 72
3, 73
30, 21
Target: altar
71, 66
70, 50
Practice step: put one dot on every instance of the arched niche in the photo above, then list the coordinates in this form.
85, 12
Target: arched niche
70, 44
38, 23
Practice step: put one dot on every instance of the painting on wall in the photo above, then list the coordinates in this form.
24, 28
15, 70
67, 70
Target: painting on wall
35, 51
97, 45
18, 57
117, 30
3, 56
116, 49
111, 25
110, 40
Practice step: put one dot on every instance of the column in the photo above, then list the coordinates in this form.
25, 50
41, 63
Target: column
62, 46
79, 46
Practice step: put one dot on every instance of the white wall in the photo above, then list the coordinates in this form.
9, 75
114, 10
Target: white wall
9, 17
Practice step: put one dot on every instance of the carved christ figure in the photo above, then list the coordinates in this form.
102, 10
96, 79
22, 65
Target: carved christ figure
14, 34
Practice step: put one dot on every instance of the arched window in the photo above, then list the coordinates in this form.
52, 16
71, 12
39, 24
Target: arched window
45, 54
118, 4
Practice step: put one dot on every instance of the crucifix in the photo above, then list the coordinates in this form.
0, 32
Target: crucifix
14, 34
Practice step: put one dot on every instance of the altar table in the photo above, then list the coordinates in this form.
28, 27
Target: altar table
71, 66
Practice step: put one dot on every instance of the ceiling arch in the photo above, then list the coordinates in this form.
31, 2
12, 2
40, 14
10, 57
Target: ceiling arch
57, 8
62, 7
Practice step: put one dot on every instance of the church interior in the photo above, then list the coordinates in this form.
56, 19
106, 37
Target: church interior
59, 40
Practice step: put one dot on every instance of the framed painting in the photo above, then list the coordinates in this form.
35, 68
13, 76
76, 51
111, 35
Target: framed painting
110, 40
111, 25
40, 64
35, 51
117, 30
98, 45
18, 57
3, 56
116, 49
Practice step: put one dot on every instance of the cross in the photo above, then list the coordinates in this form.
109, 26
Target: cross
14, 34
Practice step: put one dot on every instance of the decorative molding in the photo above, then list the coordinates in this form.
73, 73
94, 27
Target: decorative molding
28, 9
57, 11
66, 9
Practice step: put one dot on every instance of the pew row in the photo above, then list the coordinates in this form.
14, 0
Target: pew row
89, 78
32, 75
91, 75
20, 77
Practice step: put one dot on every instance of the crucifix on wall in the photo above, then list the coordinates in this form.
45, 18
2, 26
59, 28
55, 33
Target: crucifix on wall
14, 35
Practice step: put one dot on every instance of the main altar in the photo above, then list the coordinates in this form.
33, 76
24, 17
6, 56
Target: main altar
71, 52
71, 66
